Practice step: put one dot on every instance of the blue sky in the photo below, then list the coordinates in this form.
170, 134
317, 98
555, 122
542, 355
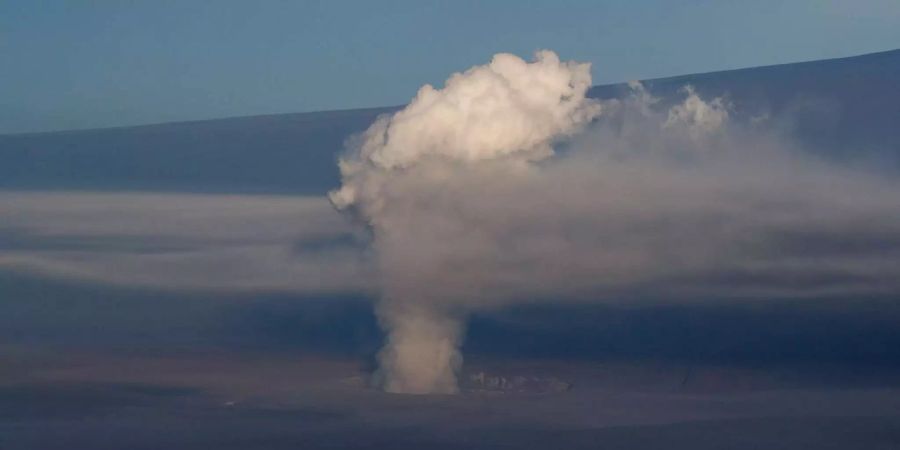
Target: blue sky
67, 64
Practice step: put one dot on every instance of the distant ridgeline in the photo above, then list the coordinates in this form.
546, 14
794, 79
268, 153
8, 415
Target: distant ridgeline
843, 108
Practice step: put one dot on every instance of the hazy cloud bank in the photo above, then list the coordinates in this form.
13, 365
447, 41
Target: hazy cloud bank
182, 241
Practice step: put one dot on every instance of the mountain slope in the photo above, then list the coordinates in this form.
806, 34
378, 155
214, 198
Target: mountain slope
843, 107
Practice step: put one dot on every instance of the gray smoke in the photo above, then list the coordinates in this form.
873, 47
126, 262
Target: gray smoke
509, 185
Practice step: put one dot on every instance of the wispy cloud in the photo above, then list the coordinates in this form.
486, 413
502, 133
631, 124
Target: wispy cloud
181, 241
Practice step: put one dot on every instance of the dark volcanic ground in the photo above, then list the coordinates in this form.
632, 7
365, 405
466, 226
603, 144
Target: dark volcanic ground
237, 400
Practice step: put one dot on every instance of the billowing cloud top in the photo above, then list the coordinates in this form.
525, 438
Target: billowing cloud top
507, 107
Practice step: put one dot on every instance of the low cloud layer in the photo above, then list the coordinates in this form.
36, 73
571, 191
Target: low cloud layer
183, 242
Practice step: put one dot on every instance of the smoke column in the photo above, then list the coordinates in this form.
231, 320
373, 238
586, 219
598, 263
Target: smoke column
508, 185
508, 112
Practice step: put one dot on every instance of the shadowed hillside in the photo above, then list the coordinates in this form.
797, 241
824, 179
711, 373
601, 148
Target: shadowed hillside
844, 108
